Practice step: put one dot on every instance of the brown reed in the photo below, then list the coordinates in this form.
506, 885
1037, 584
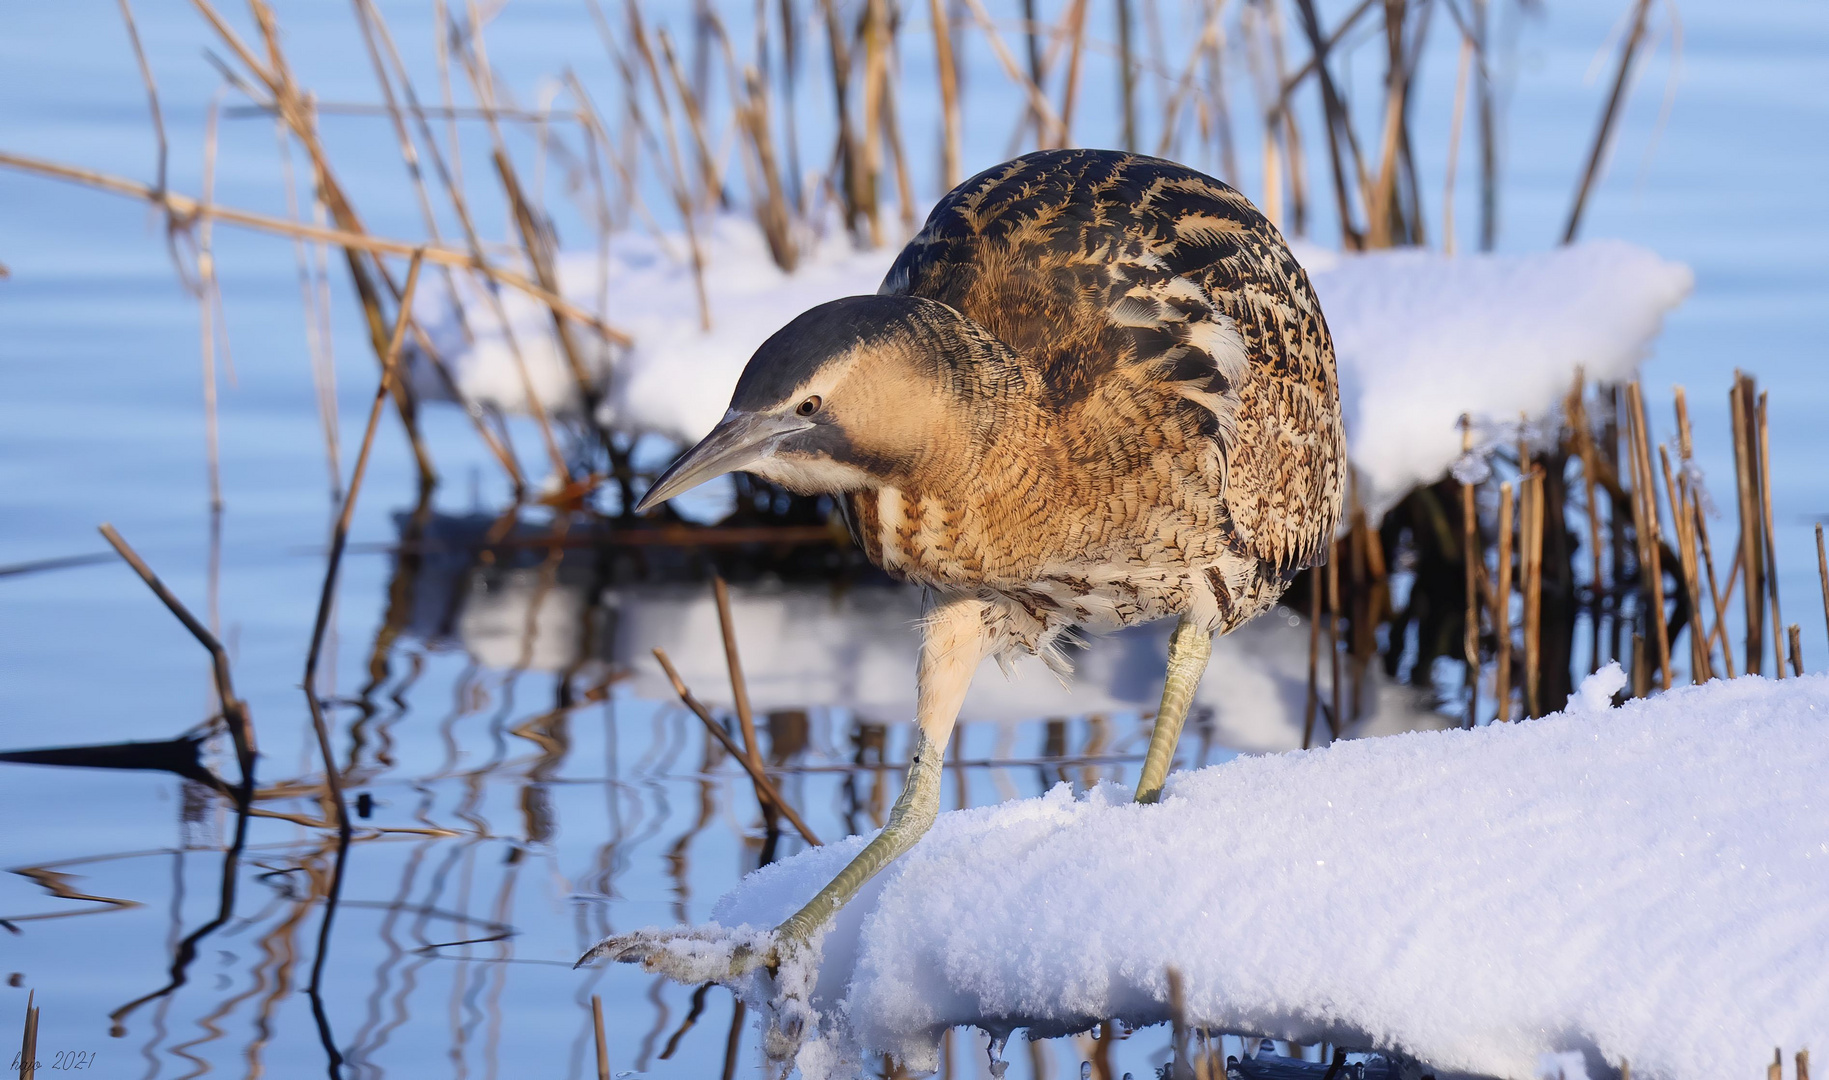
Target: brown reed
603, 1047
1764, 450
1651, 559
234, 710
1501, 608
28, 1047
1470, 561
765, 788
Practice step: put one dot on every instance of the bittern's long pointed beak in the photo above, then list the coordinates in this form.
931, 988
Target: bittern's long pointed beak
739, 440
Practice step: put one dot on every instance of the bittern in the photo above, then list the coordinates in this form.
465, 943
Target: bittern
1095, 390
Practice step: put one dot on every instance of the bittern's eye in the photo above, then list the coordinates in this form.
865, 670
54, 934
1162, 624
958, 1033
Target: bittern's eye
809, 406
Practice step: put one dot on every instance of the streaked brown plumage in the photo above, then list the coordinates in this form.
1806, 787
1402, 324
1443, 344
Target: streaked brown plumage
1168, 435
1095, 390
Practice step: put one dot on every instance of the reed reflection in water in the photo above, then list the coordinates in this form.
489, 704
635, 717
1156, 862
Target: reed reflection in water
524, 783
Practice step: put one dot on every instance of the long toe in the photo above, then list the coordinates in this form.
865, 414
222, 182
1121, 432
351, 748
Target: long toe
690, 954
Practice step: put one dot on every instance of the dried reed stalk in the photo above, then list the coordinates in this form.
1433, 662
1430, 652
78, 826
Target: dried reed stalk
1719, 598
189, 209
1678, 495
28, 1046
677, 180
206, 311
739, 688
1651, 560
152, 91
1336, 720
765, 788
1314, 657
1752, 545
1530, 544
1797, 660
1470, 547
234, 710
952, 152
1765, 520
1339, 125
711, 181
1822, 570
1501, 610
1603, 134
339, 539
603, 1047
1048, 121
1454, 143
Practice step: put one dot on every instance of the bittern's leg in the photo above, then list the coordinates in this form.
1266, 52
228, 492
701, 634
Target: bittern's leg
1189, 648
952, 646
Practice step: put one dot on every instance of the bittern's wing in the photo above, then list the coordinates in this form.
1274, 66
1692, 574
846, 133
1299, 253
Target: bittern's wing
1144, 291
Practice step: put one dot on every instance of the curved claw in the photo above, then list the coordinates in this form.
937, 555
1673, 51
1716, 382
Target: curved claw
689, 954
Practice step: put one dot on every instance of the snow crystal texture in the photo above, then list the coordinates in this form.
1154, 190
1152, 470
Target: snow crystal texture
1648, 883
1421, 337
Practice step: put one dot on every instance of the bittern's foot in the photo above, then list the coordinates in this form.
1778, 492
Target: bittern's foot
692, 954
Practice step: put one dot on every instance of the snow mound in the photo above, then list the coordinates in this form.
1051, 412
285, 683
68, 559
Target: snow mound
1648, 883
1421, 337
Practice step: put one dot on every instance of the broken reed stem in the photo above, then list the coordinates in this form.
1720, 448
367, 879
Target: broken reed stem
1822, 571
1717, 597
234, 710
1678, 497
765, 788
1531, 544
339, 539
1501, 612
1651, 559
28, 1045
1314, 656
739, 688
603, 1046
186, 209
1470, 639
1336, 722
1752, 548
1178, 1025
1765, 521
1796, 640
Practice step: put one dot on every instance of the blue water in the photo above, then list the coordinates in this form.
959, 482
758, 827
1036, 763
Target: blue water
605, 818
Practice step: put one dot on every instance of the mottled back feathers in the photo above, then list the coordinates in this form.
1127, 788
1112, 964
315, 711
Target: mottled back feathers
1167, 329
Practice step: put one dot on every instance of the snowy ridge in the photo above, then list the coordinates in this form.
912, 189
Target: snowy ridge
1421, 337
1648, 883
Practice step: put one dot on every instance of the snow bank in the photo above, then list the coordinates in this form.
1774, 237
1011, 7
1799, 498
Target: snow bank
1421, 337
1649, 883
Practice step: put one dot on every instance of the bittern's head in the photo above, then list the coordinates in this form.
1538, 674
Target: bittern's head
853, 394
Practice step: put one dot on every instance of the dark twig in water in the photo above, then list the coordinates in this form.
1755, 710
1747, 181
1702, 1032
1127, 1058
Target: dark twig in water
234, 710
764, 787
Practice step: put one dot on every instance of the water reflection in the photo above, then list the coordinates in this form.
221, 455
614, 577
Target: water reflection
523, 784
849, 649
